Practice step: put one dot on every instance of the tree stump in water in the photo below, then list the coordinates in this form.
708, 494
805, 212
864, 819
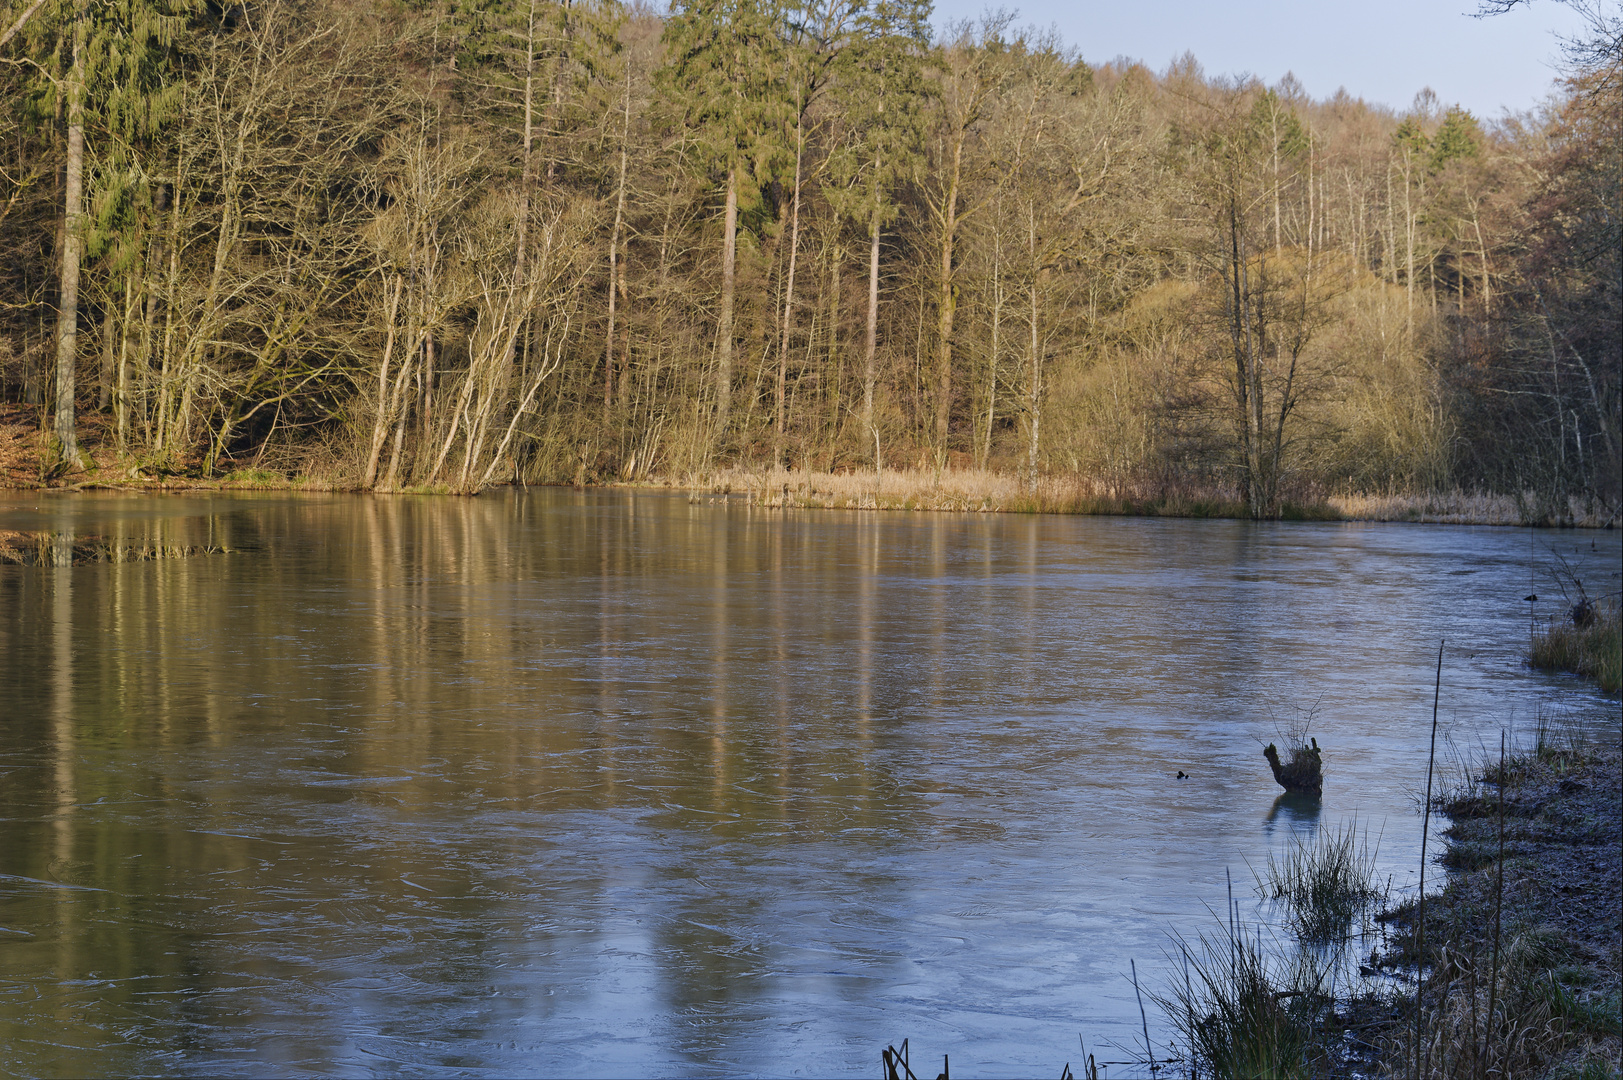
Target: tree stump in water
1304, 773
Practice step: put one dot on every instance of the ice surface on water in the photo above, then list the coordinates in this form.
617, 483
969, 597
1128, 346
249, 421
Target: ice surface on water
564, 783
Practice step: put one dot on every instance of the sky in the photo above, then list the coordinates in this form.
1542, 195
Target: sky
1384, 51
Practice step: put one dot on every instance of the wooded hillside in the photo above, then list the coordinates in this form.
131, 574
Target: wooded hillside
451, 244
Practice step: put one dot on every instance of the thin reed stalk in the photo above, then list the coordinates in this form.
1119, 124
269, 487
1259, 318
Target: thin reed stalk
1425, 834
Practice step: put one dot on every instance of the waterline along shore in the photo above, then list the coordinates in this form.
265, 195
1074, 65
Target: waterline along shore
1513, 968
913, 488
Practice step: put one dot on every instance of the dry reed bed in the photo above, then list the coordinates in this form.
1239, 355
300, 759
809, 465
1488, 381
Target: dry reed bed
982, 490
973, 490
903, 489
1465, 508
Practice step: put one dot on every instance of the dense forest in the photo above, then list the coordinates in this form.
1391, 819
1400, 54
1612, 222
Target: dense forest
450, 243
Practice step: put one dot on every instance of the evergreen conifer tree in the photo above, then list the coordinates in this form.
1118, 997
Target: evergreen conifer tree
114, 63
881, 92
726, 68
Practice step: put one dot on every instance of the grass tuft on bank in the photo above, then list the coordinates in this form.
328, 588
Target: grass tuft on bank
1594, 650
1325, 884
1242, 1008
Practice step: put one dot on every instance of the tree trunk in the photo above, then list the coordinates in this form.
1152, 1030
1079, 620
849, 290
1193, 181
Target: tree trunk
559, 73
1482, 247
104, 377
997, 344
870, 361
527, 171
121, 373
614, 254
425, 425
836, 359
1311, 209
145, 348
21, 21
67, 326
724, 329
1260, 490
1239, 331
203, 337
1035, 387
948, 300
381, 417
789, 293
1408, 234
1279, 236
1389, 261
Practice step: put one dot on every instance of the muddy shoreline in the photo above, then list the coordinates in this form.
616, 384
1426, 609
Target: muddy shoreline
1523, 947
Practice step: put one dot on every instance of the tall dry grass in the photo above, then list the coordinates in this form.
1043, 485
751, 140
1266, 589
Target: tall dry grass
1468, 508
993, 491
1456, 508
977, 490
1509, 1014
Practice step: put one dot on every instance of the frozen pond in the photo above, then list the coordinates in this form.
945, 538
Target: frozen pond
567, 783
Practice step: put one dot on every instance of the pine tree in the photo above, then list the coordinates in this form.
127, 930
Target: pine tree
1458, 137
881, 90
726, 74
116, 63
